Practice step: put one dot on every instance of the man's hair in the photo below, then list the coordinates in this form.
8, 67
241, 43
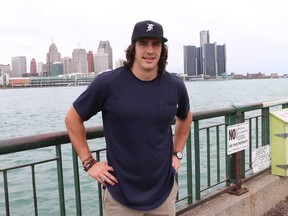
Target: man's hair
130, 57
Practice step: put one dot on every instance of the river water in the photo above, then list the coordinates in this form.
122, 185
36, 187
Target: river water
30, 111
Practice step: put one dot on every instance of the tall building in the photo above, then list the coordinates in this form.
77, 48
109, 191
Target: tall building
67, 65
33, 68
40, 69
208, 60
103, 59
204, 37
5, 69
52, 56
119, 63
221, 59
57, 69
79, 61
101, 62
90, 61
19, 66
190, 60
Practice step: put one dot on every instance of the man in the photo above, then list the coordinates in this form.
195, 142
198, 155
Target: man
138, 103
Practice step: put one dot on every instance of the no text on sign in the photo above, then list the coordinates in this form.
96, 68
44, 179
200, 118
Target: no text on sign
237, 137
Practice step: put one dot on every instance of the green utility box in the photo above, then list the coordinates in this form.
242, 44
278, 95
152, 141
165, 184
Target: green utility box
279, 142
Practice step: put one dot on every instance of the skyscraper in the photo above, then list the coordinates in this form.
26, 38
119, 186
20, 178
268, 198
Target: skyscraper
90, 61
190, 60
221, 59
19, 66
67, 64
33, 68
79, 61
40, 69
208, 60
52, 56
204, 37
104, 57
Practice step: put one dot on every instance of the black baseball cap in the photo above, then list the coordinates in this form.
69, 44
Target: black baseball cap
148, 28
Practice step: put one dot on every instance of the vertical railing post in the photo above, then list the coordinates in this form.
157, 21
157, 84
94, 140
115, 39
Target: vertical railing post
34, 190
189, 169
284, 106
197, 160
5, 180
99, 189
60, 180
265, 123
236, 168
76, 183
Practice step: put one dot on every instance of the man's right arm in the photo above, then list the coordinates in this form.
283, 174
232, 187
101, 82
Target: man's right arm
77, 133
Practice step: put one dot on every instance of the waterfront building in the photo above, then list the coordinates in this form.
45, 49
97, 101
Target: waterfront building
5, 69
221, 59
103, 59
90, 61
204, 37
119, 63
40, 68
19, 66
191, 60
208, 60
101, 62
79, 61
57, 69
52, 56
33, 68
67, 65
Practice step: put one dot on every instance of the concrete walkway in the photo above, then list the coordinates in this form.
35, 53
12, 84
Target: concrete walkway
280, 209
264, 193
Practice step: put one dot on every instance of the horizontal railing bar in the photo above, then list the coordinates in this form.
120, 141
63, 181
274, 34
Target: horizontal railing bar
211, 186
199, 115
25, 143
211, 126
29, 164
183, 198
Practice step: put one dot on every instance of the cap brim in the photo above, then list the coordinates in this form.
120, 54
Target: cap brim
150, 36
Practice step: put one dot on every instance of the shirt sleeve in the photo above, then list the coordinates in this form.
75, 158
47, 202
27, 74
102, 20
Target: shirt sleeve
183, 103
92, 100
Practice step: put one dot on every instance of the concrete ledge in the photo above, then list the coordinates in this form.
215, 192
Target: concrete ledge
264, 193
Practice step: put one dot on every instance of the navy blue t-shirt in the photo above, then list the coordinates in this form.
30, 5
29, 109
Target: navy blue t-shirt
137, 118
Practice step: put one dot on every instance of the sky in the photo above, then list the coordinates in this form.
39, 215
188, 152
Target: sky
255, 32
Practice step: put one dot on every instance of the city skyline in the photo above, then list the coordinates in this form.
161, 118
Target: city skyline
254, 31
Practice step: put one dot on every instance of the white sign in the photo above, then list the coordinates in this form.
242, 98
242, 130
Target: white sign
237, 137
261, 158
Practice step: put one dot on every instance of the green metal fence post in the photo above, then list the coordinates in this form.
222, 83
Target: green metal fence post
76, 183
265, 126
5, 180
60, 180
189, 169
197, 160
237, 167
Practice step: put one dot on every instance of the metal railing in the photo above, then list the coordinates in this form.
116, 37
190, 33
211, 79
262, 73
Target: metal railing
206, 171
